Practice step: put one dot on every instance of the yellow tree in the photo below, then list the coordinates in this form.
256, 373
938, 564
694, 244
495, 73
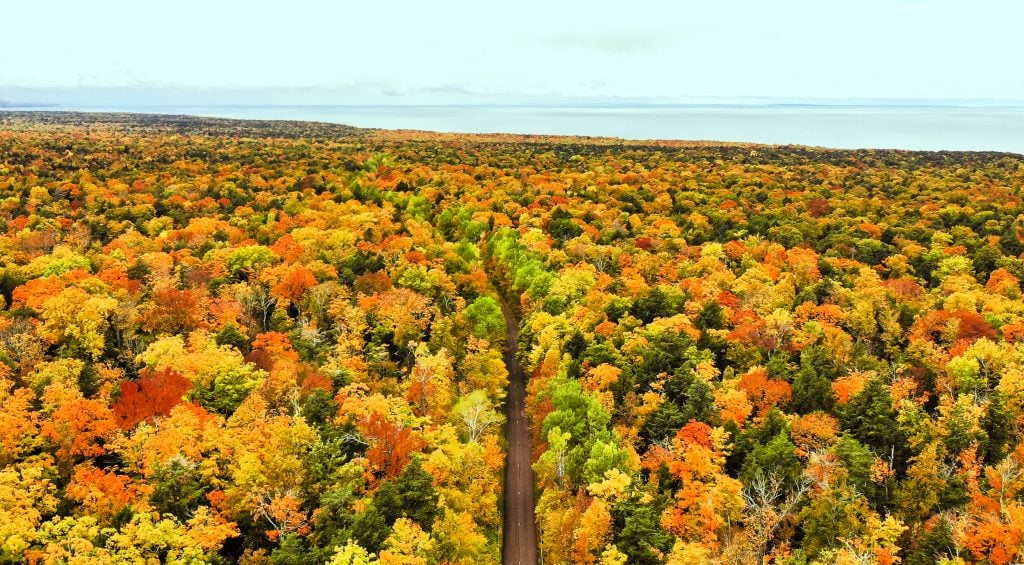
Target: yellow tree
78, 319
477, 415
19, 422
26, 494
429, 388
408, 544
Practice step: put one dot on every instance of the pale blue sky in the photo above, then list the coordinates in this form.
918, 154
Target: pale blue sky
545, 48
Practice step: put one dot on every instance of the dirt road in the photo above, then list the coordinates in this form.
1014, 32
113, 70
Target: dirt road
520, 535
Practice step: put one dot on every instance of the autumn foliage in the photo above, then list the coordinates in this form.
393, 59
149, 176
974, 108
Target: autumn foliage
154, 394
235, 342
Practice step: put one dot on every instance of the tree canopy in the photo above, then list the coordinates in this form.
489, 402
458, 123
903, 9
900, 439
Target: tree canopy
255, 342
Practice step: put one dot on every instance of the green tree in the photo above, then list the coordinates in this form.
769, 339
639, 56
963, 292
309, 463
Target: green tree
638, 531
870, 418
245, 261
777, 458
812, 386
411, 494
485, 318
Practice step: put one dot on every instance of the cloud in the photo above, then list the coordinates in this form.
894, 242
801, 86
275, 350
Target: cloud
885, 48
630, 41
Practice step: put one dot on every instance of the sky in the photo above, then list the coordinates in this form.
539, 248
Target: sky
545, 49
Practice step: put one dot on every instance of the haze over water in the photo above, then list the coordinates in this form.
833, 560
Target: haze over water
898, 127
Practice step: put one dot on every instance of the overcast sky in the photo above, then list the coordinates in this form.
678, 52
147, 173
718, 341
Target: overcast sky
546, 48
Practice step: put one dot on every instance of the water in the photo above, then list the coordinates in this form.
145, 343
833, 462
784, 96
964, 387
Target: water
899, 127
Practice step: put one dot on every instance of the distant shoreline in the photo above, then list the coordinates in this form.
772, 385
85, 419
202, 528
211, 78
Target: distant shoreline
905, 128
19, 106
538, 105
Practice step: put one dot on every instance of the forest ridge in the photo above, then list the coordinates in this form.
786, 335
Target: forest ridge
282, 343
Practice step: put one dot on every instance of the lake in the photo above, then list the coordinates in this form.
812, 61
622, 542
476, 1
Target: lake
899, 127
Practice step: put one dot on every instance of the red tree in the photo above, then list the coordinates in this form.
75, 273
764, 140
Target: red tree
764, 392
295, 284
155, 393
175, 311
391, 445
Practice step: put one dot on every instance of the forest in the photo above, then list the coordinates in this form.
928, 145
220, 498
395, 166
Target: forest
282, 343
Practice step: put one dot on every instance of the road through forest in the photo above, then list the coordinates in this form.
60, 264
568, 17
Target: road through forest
520, 534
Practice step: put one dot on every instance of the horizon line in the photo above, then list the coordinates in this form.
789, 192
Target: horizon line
838, 103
